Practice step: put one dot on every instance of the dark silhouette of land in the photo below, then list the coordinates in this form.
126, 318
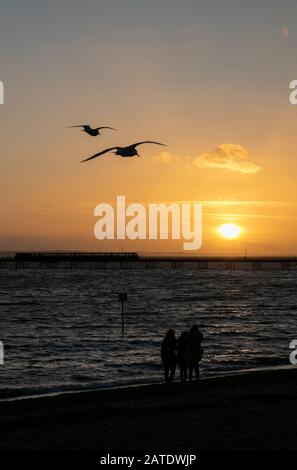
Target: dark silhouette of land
250, 411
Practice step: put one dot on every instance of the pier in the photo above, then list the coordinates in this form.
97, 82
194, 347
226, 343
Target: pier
50, 260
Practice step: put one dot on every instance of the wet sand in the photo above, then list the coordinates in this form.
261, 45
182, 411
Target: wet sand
250, 411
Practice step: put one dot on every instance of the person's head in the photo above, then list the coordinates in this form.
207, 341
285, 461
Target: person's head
170, 333
194, 328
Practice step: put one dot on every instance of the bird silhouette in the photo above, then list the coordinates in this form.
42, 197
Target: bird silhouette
129, 151
92, 131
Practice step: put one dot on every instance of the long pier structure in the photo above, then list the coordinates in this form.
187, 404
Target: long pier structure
100, 260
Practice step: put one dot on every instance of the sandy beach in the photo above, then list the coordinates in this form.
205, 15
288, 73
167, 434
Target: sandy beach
250, 411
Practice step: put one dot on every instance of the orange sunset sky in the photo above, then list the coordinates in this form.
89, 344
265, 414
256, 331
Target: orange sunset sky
209, 79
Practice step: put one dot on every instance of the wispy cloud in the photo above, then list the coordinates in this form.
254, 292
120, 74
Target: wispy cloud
228, 157
165, 157
168, 157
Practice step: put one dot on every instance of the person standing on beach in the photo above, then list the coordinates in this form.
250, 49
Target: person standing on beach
168, 355
181, 353
194, 351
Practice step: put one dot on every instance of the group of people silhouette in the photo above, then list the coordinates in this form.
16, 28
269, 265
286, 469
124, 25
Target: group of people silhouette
186, 351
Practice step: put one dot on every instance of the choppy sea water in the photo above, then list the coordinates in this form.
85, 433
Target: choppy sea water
61, 329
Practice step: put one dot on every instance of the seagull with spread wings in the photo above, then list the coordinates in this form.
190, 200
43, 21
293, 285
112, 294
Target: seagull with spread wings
129, 151
92, 131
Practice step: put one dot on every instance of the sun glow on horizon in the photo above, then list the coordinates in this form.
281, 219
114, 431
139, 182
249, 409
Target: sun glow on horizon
229, 231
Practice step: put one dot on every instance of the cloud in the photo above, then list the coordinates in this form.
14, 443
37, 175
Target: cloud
228, 157
285, 32
168, 157
165, 157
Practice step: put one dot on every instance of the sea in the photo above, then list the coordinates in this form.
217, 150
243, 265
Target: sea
62, 329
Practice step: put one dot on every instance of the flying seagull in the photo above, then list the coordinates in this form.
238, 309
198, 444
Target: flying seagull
129, 151
93, 132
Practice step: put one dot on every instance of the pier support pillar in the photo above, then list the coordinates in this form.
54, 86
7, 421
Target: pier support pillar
202, 265
19, 265
125, 265
100, 265
176, 264
257, 266
285, 265
76, 265
229, 265
150, 264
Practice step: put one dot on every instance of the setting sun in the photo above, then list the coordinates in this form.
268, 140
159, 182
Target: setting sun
230, 231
